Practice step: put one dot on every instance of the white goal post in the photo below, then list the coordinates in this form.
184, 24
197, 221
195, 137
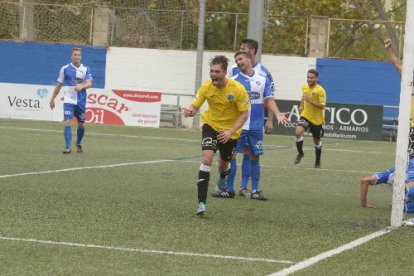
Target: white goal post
407, 89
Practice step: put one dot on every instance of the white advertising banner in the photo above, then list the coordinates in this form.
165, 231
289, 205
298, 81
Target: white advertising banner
104, 106
30, 102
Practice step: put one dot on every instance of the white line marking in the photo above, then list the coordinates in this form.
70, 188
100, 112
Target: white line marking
193, 140
293, 167
145, 250
103, 134
163, 161
85, 168
311, 261
320, 169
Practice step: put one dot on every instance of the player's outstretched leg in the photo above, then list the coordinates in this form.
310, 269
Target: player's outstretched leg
299, 147
67, 133
202, 188
245, 176
80, 133
318, 153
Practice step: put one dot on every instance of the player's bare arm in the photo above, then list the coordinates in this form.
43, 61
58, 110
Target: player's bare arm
190, 111
312, 102
272, 108
391, 55
365, 183
55, 93
88, 84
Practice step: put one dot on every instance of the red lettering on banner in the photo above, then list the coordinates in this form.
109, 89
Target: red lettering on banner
102, 116
139, 96
105, 100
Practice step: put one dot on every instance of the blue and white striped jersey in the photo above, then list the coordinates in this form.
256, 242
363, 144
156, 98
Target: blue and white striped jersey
69, 77
258, 88
261, 69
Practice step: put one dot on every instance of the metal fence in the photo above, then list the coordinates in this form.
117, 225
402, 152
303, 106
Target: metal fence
177, 29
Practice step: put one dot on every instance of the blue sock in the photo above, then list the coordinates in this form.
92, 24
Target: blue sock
255, 174
232, 175
245, 172
80, 133
221, 183
409, 192
67, 133
409, 207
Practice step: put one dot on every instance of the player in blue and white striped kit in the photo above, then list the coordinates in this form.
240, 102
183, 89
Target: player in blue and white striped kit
251, 139
74, 78
251, 46
387, 177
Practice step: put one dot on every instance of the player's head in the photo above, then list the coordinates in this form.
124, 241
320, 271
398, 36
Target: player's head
218, 69
76, 55
243, 61
249, 45
312, 77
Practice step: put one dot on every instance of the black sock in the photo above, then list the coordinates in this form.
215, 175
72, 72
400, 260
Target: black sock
318, 152
202, 184
299, 146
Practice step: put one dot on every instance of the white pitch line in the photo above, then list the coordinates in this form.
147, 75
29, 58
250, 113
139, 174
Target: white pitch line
189, 140
85, 168
293, 167
311, 261
105, 134
162, 161
145, 250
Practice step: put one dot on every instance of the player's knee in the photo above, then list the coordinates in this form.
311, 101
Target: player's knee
254, 157
367, 180
67, 122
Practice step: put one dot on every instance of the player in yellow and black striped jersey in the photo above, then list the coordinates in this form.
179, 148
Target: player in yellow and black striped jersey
312, 116
228, 105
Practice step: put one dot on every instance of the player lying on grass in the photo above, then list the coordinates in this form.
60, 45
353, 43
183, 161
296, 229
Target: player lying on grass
387, 177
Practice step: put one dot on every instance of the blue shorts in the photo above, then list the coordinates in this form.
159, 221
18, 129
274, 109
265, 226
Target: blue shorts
387, 176
71, 110
252, 140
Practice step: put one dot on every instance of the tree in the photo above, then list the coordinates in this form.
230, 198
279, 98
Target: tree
174, 24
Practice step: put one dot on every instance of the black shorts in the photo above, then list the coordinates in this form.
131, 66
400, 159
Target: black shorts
209, 142
316, 130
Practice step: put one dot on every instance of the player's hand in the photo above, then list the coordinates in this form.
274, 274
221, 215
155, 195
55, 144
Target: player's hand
387, 43
282, 118
269, 126
305, 98
188, 112
224, 136
78, 88
52, 104
365, 204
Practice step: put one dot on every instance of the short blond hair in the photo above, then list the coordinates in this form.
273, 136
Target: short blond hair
75, 49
